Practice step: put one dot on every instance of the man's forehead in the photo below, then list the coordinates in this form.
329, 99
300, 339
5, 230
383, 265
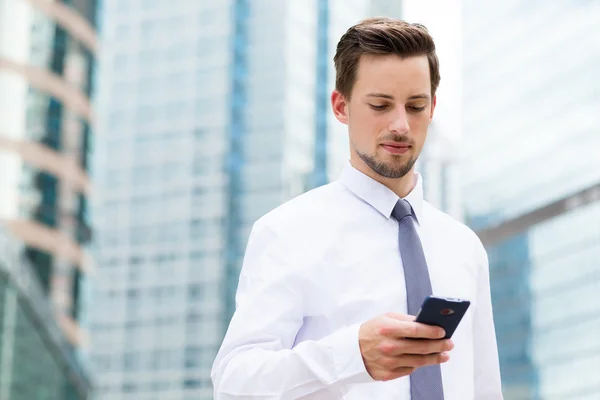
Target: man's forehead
374, 59
385, 74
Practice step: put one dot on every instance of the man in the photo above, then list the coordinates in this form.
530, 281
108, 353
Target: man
332, 280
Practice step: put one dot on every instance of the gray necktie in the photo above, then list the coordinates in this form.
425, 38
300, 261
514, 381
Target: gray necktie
425, 382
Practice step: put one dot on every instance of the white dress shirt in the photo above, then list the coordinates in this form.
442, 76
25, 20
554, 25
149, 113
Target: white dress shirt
319, 266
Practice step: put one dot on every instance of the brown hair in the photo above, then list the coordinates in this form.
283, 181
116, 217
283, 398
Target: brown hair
382, 36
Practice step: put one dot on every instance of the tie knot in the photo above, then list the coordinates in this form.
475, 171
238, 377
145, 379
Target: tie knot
401, 209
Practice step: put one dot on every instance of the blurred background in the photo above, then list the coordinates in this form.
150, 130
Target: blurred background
140, 140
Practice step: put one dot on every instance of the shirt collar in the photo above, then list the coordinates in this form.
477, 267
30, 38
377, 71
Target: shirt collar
378, 195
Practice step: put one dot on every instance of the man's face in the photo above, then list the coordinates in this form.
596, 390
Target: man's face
388, 113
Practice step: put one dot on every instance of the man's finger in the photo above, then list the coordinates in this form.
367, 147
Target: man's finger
395, 329
401, 317
417, 361
423, 347
415, 330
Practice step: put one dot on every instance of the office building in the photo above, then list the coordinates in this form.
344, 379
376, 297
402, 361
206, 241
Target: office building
211, 114
36, 360
439, 167
532, 186
47, 55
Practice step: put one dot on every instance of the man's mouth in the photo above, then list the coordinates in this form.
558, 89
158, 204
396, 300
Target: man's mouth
396, 147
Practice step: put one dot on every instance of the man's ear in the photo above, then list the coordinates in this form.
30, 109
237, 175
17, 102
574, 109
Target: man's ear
339, 106
433, 104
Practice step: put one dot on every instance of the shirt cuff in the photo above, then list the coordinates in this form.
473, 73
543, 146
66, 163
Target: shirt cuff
347, 358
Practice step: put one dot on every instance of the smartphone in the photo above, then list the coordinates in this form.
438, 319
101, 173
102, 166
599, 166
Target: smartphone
444, 312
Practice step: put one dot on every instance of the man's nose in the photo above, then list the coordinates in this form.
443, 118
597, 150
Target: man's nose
400, 123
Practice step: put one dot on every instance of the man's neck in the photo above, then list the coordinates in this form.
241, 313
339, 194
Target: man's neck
401, 186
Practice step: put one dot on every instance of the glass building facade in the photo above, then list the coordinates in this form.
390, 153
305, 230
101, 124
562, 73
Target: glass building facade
532, 186
212, 114
36, 361
47, 58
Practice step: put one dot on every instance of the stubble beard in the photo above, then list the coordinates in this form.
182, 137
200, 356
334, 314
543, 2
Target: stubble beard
385, 169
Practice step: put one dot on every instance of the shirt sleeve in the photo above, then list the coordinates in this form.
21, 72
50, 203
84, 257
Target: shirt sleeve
487, 369
258, 358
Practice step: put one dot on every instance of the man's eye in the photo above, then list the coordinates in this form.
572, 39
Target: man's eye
417, 109
378, 108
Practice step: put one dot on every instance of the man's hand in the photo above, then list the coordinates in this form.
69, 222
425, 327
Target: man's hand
391, 348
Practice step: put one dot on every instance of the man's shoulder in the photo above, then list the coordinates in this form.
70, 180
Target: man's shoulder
303, 208
452, 226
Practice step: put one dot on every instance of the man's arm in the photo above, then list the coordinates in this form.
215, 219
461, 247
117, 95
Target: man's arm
487, 369
257, 358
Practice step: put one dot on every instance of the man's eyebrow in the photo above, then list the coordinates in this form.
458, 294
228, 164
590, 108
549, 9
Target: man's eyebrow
381, 95
420, 96
424, 96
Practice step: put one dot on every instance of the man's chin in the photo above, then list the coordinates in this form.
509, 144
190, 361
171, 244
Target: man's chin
388, 166
391, 171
